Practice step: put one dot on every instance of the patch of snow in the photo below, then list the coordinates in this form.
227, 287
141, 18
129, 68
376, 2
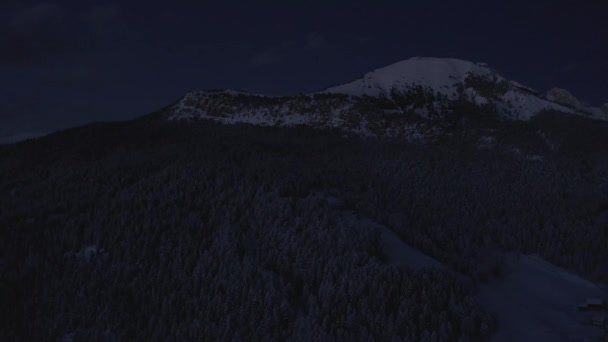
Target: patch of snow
475, 97
525, 106
88, 252
537, 301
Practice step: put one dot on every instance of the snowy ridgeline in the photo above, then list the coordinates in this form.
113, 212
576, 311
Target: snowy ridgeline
363, 117
427, 88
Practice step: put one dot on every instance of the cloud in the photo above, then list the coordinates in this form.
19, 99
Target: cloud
33, 32
45, 30
37, 17
267, 57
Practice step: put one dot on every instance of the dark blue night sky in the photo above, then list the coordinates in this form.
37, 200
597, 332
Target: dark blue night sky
69, 62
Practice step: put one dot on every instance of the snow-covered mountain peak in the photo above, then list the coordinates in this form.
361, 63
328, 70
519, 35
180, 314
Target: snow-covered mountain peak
427, 86
439, 74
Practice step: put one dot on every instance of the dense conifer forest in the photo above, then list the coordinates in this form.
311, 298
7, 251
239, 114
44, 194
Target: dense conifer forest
152, 230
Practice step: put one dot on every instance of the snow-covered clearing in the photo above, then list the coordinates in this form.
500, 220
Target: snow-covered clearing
537, 301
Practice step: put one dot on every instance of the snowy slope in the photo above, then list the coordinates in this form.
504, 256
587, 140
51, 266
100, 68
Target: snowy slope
566, 98
440, 74
534, 301
537, 301
453, 79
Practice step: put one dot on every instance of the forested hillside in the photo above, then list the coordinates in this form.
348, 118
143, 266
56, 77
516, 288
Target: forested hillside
154, 230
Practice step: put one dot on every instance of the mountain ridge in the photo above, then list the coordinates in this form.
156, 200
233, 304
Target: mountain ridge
407, 99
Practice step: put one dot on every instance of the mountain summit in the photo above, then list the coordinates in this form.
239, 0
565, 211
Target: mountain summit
440, 74
406, 98
454, 80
